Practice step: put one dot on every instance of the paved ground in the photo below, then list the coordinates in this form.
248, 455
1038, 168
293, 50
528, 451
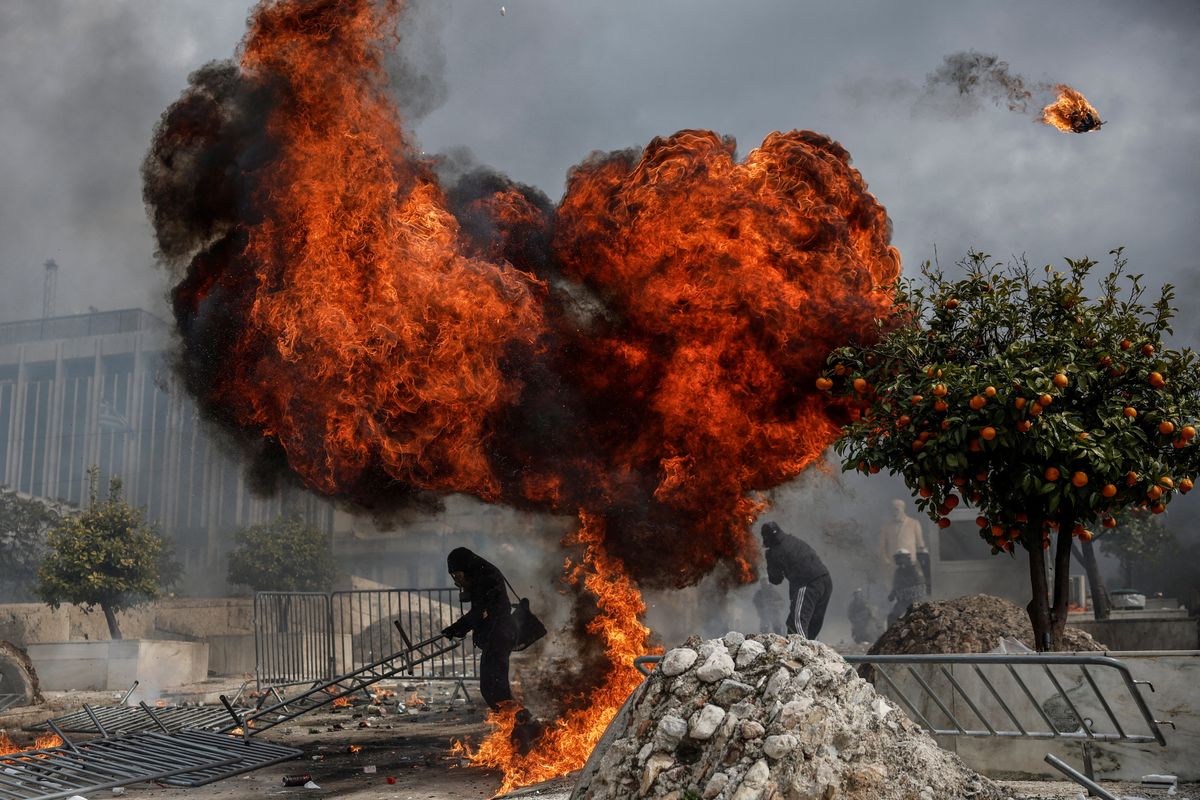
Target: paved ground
409, 747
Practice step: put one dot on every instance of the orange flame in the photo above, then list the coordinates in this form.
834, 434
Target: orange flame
354, 748
43, 742
566, 745
1071, 112
341, 702
414, 699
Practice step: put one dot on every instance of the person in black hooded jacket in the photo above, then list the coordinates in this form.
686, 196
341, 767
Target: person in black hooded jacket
809, 584
489, 619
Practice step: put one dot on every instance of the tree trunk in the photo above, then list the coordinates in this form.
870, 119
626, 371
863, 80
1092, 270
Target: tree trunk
110, 616
1062, 587
1100, 604
1039, 606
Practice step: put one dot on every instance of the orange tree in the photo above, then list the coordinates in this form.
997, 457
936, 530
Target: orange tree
1013, 392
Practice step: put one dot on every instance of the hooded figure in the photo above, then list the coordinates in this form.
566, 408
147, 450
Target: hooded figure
809, 584
489, 619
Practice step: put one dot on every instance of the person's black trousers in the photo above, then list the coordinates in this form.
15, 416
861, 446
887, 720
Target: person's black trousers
807, 612
493, 669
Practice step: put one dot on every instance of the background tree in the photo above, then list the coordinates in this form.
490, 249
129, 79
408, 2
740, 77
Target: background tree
1138, 538
106, 555
1012, 391
24, 522
284, 555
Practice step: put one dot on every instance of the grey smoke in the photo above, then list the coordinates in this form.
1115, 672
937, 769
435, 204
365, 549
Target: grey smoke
971, 77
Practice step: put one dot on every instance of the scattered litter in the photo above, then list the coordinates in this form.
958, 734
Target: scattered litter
311, 785
118, 790
369, 769
503, 11
390, 779
1160, 780
297, 780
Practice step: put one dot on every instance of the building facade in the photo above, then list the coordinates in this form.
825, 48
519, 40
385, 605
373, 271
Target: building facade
97, 389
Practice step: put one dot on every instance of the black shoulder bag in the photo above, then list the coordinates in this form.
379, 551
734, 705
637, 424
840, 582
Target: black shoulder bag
527, 628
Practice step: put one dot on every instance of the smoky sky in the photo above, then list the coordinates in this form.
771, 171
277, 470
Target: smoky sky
531, 93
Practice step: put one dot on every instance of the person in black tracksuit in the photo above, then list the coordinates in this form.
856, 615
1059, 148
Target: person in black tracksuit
809, 584
489, 618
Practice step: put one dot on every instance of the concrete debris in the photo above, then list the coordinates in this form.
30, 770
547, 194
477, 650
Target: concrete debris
976, 623
768, 717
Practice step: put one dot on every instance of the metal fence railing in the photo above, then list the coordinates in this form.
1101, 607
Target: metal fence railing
308, 637
365, 631
293, 637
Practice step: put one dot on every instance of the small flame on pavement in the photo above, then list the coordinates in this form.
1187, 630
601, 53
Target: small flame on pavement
43, 742
414, 699
341, 702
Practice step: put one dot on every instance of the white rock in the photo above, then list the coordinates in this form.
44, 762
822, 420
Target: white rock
880, 707
780, 745
677, 661
752, 729
776, 683
748, 653
734, 640
704, 722
654, 765
731, 691
802, 678
718, 666
671, 729
755, 783
793, 711
716, 784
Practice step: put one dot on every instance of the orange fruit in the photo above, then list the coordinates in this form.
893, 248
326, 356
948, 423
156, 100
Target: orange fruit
1106, 361
1035, 410
1079, 479
1108, 522
945, 425
824, 384
1147, 349
904, 420
1051, 473
952, 303
874, 470
1045, 400
940, 405
1078, 529
977, 402
1019, 402
925, 491
990, 391
1129, 411
988, 433
1166, 481
839, 369
916, 398
1085, 535
952, 501
1166, 427
997, 531
1024, 425
1157, 508
1060, 380
943, 523
1154, 493
1109, 490
1156, 380
1131, 478
974, 446
939, 390
1187, 432
1185, 485
860, 385
1082, 436
981, 476
981, 522
1126, 344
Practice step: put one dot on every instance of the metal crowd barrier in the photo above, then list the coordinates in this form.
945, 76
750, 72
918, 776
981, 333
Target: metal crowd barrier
311, 637
996, 695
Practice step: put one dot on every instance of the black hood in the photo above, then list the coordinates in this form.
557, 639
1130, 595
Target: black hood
462, 560
771, 533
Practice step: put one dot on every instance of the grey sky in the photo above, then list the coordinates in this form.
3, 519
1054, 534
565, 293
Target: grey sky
532, 92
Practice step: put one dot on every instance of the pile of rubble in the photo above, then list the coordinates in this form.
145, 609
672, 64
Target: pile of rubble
768, 718
976, 623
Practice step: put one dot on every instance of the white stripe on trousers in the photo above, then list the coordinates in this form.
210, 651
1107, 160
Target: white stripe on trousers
797, 605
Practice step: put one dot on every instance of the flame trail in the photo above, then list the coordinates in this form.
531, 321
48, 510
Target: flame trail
641, 356
1071, 112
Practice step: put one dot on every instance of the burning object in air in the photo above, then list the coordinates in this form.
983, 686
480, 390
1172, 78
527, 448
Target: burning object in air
1071, 112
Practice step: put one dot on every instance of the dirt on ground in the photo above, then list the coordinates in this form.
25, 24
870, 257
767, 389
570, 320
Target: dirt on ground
976, 623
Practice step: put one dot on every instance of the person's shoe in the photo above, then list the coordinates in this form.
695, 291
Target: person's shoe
527, 732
